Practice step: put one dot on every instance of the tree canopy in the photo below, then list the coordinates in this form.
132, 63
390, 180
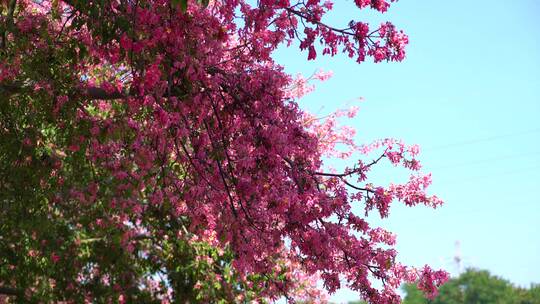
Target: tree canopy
475, 286
153, 151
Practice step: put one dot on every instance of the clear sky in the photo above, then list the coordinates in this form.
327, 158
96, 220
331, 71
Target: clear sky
469, 94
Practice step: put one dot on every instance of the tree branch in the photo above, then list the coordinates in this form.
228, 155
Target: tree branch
9, 21
99, 93
10, 291
89, 93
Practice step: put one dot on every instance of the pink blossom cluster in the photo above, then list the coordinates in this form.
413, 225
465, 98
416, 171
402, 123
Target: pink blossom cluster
334, 139
301, 86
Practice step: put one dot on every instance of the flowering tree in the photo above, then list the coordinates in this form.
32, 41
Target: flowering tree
153, 151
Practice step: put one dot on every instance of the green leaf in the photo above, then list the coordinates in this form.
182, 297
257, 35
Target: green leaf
204, 3
182, 3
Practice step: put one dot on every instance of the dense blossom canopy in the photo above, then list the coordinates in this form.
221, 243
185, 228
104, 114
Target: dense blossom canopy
152, 150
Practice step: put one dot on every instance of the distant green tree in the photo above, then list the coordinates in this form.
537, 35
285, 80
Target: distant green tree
478, 287
414, 295
531, 295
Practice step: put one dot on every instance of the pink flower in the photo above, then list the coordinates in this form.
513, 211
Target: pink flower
430, 280
55, 258
322, 75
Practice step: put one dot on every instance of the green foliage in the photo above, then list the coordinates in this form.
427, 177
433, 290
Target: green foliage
184, 3
531, 295
476, 287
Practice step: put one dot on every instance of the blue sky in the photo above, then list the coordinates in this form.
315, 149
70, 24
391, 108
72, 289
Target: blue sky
469, 94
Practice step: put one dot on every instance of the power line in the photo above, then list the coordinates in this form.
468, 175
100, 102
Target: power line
489, 160
500, 175
479, 140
